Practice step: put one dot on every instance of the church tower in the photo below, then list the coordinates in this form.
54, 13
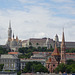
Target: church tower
63, 53
57, 40
9, 31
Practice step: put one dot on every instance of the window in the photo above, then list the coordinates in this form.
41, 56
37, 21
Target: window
53, 64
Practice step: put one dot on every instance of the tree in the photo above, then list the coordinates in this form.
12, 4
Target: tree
69, 68
34, 67
3, 50
27, 51
30, 43
61, 68
19, 73
69, 62
70, 50
1, 67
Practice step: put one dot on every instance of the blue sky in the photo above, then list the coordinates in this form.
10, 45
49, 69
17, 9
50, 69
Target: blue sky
37, 18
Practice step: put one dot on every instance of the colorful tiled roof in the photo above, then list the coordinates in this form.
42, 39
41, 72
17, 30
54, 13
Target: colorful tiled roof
56, 51
12, 52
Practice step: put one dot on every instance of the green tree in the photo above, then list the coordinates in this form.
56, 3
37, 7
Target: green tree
30, 43
69, 62
19, 73
1, 67
70, 50
61, 68
27, 51
34, 67
3, 50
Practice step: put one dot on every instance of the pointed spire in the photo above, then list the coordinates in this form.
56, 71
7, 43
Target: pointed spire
9, 23
63, 38
13, 35
56, 51
17, 38
63, 53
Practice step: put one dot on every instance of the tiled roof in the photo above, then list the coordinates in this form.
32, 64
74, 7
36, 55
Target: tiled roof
12, 52
56, 51
8, 56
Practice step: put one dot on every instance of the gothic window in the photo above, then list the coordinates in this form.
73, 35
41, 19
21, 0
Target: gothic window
53, 64
48, 65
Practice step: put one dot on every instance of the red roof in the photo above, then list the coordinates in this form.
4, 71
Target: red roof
12, 52
56, 51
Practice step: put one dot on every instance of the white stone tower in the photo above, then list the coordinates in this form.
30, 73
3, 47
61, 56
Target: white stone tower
9, 31
57, 40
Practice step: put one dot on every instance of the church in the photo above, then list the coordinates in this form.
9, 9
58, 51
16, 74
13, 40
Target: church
57, 57
13, 43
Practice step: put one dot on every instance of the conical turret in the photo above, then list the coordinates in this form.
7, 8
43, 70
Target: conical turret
56, 51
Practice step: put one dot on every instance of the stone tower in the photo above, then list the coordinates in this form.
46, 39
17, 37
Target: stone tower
9, 31
63, 53
57, 40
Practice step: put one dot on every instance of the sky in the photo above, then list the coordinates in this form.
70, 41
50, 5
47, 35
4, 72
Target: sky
37, 19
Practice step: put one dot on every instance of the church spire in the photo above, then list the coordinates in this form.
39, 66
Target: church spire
63, 38
13, 35
9, 31
10, 24
17, 38
63, 53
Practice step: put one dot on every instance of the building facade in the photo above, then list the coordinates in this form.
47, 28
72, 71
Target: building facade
57, 57
11, 62
40, 42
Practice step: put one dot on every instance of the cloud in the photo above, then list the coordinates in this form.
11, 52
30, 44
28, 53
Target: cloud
68, 1
37, 20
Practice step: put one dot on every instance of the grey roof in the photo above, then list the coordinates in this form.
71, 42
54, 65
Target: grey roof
31, 60
9, 56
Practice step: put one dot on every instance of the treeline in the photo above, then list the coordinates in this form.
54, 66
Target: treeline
70, 50
34, 67
69, 67
3, 50
32, 49
27, 51
1, 67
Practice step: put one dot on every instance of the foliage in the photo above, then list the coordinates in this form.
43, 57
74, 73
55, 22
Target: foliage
1, 67
3, 50
30, 43
69, 62
27, 51
37, 43
71, 50
61, 68
19, 73
69, 67
34, 67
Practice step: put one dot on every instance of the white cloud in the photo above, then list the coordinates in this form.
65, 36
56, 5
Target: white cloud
39, 35
36, 22
68, 1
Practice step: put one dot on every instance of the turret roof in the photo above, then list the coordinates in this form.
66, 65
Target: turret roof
56, 51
